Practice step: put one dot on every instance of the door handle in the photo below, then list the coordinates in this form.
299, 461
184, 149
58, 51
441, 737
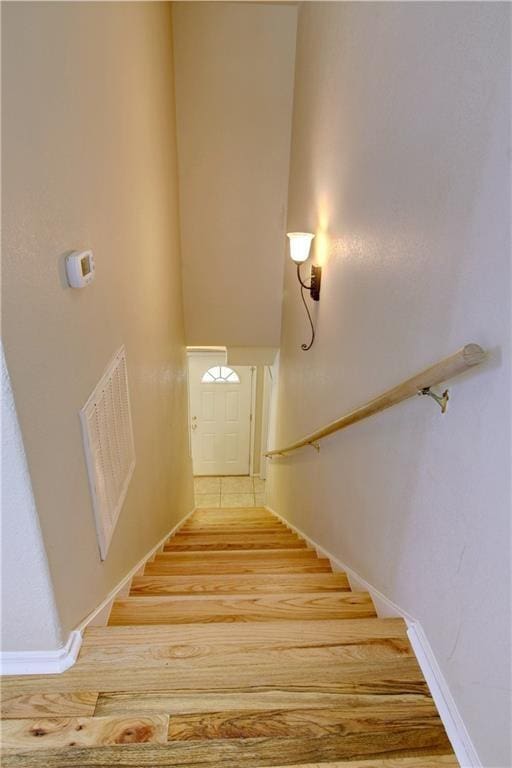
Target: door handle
194, 426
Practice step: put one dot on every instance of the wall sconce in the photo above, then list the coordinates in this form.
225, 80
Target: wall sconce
300, 244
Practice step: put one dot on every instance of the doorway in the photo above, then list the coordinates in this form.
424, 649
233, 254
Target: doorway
220, 415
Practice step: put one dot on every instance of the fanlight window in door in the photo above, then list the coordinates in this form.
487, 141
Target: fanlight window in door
220, 374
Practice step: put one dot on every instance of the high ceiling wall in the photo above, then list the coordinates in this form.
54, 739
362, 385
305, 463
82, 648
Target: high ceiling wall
234, 68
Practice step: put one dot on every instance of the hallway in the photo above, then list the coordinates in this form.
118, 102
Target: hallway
238, 646
246, 492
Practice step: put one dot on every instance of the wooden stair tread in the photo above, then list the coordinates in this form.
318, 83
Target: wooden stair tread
183, 610
270, 544
214, 529
233, 531
283, 633
231, 647
219, 556
180, 659
215, 562
239, 753
236, 541
206, 526
401, 675
236, 515
245, 511
239, 583
202, 567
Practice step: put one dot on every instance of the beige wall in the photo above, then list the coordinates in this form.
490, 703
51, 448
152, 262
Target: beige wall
400, 164
234, 86
90, 162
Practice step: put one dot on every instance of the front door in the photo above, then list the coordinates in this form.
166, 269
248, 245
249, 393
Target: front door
220, 413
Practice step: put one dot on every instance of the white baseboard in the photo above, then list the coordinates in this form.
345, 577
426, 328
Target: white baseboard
456, 730
109, 600
446, 706
54, 662
41, 662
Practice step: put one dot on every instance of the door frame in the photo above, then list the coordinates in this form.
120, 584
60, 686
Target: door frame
208, 352
252, 418
268, 383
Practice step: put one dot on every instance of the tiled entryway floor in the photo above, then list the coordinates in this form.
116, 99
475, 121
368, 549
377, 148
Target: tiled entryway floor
229, 492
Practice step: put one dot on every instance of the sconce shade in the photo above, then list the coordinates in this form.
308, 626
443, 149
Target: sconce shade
300, 243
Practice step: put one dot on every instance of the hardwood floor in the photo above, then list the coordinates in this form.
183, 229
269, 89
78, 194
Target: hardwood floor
237, 647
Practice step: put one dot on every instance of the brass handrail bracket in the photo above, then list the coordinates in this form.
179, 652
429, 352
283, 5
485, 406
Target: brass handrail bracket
441, 400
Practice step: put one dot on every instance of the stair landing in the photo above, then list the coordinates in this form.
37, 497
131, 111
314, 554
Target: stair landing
238, 646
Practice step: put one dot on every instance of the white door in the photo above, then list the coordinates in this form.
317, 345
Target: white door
220, 414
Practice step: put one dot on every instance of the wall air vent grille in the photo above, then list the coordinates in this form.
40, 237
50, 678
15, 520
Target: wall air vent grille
109, 449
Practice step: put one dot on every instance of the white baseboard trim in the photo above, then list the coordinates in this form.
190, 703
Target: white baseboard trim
54, 662
448, 712
457, 733
41, 662
108, 601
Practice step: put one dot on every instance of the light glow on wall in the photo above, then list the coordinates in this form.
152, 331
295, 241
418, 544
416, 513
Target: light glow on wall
322, 240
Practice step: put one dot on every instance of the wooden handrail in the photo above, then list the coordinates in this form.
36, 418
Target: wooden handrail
471, 354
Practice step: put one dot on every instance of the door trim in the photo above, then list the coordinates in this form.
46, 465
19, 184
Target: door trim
208, 352
252, 425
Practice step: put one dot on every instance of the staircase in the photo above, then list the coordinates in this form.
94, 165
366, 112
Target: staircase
237, 647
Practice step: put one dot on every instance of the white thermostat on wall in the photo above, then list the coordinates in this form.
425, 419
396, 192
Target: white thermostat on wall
80, 268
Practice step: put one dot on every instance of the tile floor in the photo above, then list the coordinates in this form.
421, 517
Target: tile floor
229, 491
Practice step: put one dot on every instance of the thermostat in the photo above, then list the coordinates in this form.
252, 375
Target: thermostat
80, 268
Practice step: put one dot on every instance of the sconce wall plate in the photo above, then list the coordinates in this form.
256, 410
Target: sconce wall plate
314, 283
316, 280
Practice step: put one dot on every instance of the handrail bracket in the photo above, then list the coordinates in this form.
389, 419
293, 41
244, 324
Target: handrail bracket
441, 400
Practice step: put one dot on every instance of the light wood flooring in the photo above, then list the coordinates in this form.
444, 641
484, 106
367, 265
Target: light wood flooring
237, 647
